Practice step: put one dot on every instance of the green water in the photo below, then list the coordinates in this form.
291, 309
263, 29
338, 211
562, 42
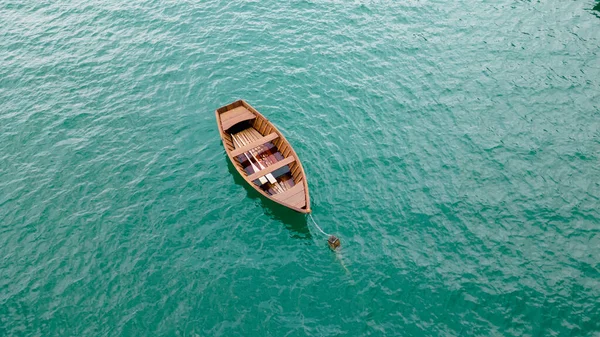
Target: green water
453, 146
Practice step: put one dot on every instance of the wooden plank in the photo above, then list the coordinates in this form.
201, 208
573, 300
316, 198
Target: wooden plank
294, 196
289, 193
298, 200
254, 144
254, 132
257, 123
229, 123
263, 128
234, 113
234, 116
250, 135
271, 168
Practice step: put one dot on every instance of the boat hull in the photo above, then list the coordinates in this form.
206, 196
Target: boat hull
239, 114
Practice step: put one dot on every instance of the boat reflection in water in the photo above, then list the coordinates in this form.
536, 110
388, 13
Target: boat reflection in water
295, 222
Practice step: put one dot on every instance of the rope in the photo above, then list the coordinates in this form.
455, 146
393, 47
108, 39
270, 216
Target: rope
313, 220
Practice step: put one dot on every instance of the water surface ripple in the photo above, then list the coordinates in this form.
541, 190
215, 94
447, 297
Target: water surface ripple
453, 146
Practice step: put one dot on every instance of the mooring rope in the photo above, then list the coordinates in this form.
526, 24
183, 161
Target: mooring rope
313, 220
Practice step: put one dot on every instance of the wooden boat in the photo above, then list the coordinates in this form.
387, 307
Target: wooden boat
262, 155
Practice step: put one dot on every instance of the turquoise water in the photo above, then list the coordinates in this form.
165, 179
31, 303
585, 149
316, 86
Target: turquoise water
453, 146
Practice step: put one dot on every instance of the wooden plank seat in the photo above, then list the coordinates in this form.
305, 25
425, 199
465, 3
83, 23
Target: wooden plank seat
256, 143
271, 168
234, 116
293, 196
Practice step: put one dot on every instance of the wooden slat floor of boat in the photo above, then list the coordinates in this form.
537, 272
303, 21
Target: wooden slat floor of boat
260, 141
254, 132
271, 168
234, 116
293, 196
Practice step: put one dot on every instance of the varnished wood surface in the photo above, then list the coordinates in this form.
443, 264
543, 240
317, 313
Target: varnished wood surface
234, 116
271, 168
294, 196
254, 144
231, 114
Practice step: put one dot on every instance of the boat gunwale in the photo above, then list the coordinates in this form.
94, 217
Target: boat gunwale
222, 133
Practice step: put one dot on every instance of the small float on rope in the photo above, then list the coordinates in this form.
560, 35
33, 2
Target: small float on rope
264, 158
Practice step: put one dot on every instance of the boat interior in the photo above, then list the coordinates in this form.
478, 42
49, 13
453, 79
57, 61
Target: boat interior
263, 155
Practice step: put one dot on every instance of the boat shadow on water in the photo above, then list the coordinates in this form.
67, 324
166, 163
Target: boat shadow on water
295, 222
